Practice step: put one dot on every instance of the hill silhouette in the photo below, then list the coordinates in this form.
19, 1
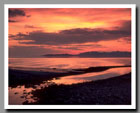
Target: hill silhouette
93, 54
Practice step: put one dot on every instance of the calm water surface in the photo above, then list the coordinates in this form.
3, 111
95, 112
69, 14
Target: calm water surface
67, 63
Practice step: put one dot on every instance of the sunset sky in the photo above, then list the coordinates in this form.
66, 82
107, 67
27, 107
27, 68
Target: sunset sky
37, 31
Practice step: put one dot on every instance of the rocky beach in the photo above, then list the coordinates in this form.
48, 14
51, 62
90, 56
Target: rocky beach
112, 91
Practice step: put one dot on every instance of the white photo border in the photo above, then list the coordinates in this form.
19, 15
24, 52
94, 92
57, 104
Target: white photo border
133, 56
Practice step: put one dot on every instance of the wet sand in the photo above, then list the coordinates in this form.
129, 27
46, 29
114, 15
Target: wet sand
112, 91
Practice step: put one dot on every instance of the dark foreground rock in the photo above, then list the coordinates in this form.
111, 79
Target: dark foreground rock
113, 91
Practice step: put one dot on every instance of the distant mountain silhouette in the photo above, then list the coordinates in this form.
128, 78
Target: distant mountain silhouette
93, 54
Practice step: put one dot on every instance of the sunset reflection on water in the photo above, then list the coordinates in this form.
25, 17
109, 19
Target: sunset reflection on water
74, 79
67, 63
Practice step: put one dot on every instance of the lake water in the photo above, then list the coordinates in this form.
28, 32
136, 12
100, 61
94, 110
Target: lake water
67, 63
20, 94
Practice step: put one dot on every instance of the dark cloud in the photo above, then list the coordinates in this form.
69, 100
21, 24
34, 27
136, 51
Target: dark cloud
30, 26
70, 48
16, 12
79, 46
28, 16
75, 36
20, 35
125, 26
